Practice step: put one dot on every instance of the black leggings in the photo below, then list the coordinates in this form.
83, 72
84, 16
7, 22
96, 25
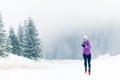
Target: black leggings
87, 58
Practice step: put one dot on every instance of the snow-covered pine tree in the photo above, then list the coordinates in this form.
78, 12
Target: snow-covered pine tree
8, 48
3, 39
20, 38
32, 44
15, 49
20, 34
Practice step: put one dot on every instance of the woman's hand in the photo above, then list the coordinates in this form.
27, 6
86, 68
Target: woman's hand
83, 45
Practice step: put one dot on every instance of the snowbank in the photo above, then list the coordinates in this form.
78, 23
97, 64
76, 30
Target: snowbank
14, 61
20, 68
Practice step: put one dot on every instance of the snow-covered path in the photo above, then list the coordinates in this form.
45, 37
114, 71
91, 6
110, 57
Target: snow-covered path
103, 68
52, 71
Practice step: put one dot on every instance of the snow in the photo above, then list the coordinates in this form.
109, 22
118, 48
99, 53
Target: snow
19, 68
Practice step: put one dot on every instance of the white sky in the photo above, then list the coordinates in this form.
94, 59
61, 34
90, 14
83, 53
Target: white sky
56, 16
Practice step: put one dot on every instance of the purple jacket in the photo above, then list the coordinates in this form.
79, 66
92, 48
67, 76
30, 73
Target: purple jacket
86, 47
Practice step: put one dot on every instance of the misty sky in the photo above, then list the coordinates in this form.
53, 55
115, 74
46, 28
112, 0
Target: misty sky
54, 17
51, 15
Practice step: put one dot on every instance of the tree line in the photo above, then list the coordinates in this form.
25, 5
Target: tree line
26, 43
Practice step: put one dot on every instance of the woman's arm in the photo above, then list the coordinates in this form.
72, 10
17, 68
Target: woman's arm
88, 46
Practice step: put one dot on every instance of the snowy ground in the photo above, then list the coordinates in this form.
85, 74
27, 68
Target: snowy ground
19, 68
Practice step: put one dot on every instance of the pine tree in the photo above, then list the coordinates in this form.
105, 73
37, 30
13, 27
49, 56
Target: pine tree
3, 39
32, 44
15, 49
8, 48
20, 38
20, 34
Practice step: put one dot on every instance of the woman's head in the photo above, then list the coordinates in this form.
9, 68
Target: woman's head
85, 38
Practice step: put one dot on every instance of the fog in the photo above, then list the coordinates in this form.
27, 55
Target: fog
63, 23
99, 19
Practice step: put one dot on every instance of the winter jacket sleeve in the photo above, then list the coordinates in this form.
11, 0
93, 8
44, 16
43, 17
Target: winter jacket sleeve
88, 45
83, 45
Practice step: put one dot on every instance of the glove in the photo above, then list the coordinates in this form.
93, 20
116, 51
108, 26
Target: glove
83, 45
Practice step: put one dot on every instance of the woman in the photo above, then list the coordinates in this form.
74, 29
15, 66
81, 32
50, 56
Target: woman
86, 54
